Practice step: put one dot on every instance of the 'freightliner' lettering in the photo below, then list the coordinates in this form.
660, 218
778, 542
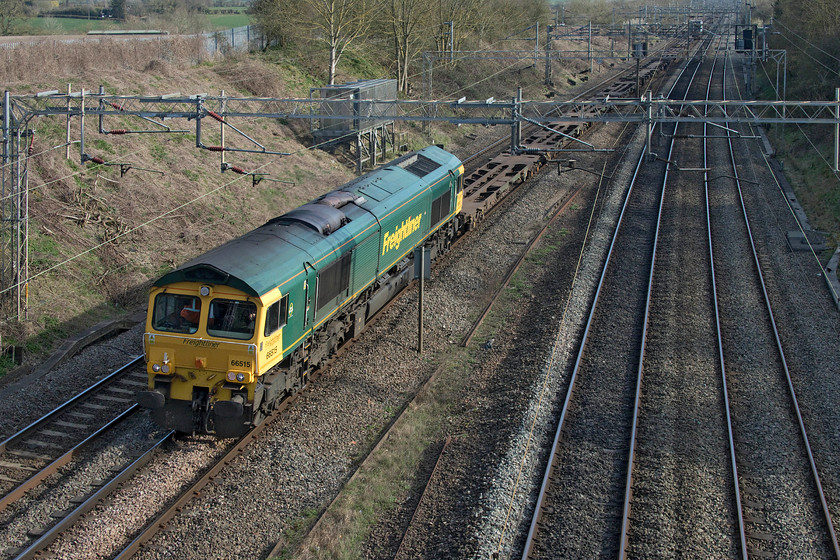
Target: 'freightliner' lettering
393, 240
200, 343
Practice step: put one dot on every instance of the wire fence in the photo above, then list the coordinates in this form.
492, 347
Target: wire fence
238, 39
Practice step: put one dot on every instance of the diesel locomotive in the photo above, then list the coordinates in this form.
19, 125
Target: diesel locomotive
232, 332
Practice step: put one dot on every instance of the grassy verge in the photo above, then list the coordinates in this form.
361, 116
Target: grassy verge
389, 475
383, 480
806, 152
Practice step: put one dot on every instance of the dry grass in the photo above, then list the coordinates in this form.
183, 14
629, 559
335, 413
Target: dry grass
383, 480
106, 236
24, 65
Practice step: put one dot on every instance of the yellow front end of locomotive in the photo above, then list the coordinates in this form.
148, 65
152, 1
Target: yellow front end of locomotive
201, 351
217, 366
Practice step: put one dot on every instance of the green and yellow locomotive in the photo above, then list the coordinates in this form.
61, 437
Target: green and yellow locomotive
232, 332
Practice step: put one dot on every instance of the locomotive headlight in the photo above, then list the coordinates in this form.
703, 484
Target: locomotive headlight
204, 291
156, 368
165, 368
238, 377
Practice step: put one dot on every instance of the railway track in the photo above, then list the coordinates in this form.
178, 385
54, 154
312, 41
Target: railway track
682, 383
44, 536
37, 451
782, 503
584, 502
680, 456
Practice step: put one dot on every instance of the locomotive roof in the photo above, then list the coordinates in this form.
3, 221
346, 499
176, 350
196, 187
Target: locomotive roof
262, 259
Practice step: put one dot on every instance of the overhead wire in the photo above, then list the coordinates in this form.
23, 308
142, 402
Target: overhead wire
127, 232
812, 57
803, 39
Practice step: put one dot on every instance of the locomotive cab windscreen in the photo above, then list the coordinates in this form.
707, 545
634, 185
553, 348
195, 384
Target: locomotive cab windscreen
176, 313
229, 318
226, 318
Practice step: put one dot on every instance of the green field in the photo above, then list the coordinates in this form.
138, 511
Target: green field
65, 26
226, 21
80, 26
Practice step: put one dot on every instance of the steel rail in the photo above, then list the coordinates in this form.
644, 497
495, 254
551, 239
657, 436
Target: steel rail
718, 331
512, 270
792, 392
69, 520
65, 457
236, 449
628, 484
532, 531
446, 443
62, 408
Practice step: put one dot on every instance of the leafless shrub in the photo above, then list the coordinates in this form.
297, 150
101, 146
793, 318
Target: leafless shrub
257, 79
157, 66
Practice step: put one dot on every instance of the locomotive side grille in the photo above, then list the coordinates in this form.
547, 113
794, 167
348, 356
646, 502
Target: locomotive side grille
440, 207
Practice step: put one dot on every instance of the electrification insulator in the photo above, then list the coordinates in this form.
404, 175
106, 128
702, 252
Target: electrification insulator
97, 160
31, 149
118, 131
216, 116
215, 148
239, 170
116, 106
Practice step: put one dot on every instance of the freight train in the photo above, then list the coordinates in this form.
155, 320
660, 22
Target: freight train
232, 332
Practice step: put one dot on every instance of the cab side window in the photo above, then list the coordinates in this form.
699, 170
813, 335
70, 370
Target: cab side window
277, 315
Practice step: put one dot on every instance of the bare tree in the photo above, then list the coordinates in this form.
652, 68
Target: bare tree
9, 11
463, 15
339, 23
278, 18
335, 23
408, 19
